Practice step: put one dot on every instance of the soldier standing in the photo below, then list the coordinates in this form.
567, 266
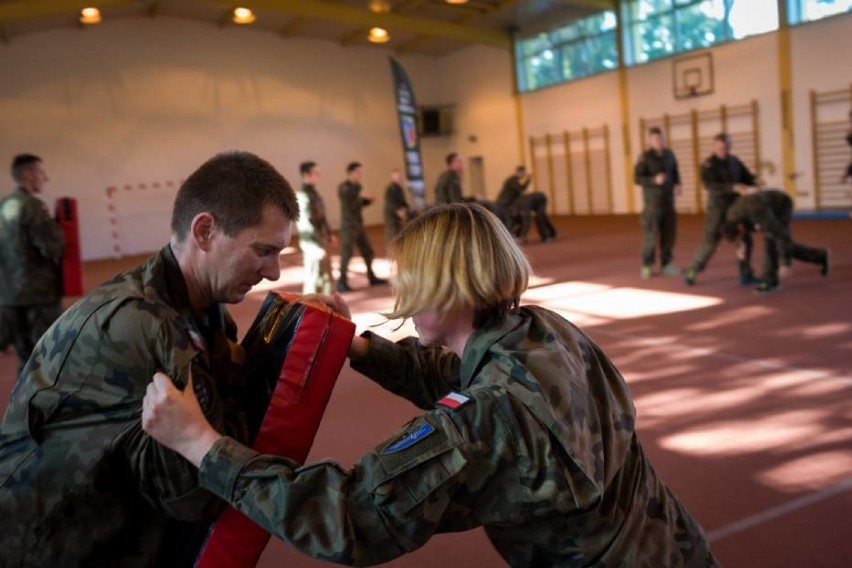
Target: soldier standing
314, 233
80, 483
352, 231
721, 173
657, 172
529, 432
771, 211
396, 207
31, 246
448, 188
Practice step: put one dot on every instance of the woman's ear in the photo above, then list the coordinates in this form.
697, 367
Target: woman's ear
201, 230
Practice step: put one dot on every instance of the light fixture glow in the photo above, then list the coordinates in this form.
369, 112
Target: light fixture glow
90, 15
378, 35
379, 6
243, 16
456, 1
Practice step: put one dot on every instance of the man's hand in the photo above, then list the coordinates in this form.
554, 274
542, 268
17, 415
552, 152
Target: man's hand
660, 178
175, 419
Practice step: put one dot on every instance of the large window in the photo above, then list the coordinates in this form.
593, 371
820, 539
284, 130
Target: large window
579, 49
657, 28
809, 10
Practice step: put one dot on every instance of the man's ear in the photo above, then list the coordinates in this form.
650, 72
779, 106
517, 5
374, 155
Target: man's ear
201, 230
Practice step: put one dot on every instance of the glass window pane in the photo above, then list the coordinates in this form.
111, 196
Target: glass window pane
700, 25
752, 17
603, 53
657, 37
818, 9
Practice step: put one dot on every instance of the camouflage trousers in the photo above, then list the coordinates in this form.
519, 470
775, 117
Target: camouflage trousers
659, 223
24, 326
349, 240
714, 219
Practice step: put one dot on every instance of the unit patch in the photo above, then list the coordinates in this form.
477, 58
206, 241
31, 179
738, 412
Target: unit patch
410, 438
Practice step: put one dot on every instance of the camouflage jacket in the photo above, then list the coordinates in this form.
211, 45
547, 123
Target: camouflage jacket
351, 203
651, 163
540, 449
394, 201
80, 483
448, 188
771, 210
512, 190
313, 226
31, 246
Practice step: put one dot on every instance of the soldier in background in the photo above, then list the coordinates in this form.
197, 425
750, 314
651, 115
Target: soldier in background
771, 211
31, 246
516, 207
80, 483
314, 233
448, 188
352, 232
529, 430
396, 207
657, 172
723, 175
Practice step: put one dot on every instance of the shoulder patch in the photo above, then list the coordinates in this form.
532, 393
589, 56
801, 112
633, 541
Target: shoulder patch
453, 400
409, 438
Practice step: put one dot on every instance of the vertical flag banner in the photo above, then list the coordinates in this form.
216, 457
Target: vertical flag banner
407, 114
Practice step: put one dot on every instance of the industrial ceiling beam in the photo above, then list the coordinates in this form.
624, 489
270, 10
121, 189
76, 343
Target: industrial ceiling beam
322, 10
416, 42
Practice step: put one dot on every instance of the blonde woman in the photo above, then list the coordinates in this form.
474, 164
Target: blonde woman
528, 430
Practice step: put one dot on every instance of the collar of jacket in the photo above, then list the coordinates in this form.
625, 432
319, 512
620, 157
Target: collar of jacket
177, 291
480, 343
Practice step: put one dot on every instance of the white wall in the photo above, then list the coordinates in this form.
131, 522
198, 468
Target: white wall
822, 62
145, 101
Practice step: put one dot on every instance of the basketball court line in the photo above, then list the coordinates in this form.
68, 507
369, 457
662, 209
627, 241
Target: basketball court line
773, 513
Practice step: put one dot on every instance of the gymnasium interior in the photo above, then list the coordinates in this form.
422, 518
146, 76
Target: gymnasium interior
742, 399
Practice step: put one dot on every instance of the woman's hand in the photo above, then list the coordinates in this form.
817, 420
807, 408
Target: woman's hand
175, 419
335, 303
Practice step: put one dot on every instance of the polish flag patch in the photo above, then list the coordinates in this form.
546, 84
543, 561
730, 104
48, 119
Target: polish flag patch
453, 400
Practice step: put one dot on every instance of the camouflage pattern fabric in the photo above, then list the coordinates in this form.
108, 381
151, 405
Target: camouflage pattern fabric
352, 233
718, 176
448, 188
31, 245
394, 201
659, 218
30, 252
314, 237
80, 483
543, 455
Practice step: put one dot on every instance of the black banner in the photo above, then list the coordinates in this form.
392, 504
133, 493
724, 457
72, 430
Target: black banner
407, 115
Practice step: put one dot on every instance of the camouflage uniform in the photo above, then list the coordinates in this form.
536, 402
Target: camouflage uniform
394, 201
352, 231
314, 237
31, 247
719, 176
80, 483
544, 455
658, 213
772, 210
448, 188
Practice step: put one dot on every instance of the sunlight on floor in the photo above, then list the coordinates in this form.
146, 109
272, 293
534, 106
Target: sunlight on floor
812, 471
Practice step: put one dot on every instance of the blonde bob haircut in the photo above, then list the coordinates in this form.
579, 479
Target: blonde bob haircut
457, 256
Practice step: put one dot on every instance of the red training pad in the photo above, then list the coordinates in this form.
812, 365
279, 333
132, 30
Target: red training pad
308, 374
72, 270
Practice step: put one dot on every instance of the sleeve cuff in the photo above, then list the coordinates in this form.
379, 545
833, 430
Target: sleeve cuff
375, 363
222, 465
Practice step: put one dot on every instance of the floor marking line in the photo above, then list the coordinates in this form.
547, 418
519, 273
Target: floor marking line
780, 510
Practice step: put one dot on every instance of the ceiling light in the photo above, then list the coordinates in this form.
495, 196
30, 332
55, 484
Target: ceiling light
379, 6
90, 16
378, 35
243, 16
456, 1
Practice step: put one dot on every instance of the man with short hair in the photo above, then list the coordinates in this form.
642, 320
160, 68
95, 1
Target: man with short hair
314, 233
657, 172
448, 188
80, 483
352, 232
31, 246
724, 176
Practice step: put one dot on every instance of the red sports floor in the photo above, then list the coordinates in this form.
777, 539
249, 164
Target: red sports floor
744, 401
